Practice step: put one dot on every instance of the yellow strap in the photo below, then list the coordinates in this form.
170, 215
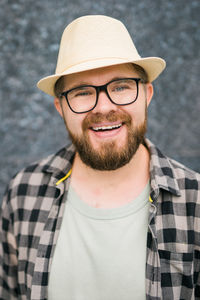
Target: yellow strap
150, 200
65, 177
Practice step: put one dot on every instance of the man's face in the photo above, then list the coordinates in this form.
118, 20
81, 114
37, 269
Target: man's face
107, 137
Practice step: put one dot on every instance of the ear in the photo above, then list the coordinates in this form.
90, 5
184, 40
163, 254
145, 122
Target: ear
58, 107
149, 92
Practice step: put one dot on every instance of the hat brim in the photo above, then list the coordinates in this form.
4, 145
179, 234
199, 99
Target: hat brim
152, 65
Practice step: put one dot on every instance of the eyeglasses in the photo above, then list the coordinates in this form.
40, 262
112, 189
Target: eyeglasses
84, 98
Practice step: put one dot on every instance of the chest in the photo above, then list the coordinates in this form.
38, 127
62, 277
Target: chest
92, 254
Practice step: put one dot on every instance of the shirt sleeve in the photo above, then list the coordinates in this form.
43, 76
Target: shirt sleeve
197, 245
8, 252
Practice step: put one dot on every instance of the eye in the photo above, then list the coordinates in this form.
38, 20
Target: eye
120, 87
83, 93
123, 86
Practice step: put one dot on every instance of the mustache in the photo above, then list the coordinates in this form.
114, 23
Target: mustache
111, 116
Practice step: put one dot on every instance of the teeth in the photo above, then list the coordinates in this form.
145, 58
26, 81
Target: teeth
107, 127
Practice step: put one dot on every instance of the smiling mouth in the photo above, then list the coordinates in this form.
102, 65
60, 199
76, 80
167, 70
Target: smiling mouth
106, 128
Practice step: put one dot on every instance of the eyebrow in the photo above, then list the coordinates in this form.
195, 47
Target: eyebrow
83, 83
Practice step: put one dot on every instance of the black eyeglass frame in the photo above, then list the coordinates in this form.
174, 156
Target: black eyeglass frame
103, 88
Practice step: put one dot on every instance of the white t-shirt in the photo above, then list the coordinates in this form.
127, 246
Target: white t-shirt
100, 253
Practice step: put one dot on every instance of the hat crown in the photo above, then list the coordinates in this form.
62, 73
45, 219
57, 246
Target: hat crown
93, 37
96, 41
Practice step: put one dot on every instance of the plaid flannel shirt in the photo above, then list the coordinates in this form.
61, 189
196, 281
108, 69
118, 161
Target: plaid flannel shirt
31, 216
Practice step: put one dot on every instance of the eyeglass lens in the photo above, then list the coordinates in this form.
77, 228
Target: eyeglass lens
121, 92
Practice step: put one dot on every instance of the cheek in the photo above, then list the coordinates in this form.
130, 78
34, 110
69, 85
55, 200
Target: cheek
137, 113
74, 122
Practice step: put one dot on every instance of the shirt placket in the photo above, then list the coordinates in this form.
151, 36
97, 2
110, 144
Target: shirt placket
153, 276
47, 244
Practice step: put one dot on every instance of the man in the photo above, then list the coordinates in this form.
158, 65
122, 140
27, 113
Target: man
109, 217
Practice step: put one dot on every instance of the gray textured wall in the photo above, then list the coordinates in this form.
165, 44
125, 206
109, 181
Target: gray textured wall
30, 32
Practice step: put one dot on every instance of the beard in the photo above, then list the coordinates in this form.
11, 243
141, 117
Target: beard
110, 155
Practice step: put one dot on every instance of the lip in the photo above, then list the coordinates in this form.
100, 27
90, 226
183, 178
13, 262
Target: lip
106, 124
107, 133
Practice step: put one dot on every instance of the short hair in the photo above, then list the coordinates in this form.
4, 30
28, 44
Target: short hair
59, 85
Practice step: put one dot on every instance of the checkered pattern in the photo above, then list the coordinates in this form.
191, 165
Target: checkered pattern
31, 216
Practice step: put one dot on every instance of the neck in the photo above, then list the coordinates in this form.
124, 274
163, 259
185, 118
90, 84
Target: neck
128, 180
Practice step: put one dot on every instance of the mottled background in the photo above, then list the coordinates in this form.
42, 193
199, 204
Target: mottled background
30, 32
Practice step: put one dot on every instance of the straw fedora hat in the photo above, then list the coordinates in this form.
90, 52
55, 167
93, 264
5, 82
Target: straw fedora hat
97, 41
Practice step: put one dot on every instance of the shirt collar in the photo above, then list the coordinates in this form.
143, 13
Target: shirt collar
60, 163
162, 172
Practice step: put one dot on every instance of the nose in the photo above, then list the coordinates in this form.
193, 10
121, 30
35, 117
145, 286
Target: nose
104, 105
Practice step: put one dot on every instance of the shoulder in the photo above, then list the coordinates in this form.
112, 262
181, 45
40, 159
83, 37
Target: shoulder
170, 175
165, 163
34, 180
53, 164
189, 178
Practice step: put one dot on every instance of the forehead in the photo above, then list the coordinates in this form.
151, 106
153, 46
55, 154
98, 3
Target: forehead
100, 76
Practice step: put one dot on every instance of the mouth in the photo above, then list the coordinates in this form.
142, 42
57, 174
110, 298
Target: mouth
109, 127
